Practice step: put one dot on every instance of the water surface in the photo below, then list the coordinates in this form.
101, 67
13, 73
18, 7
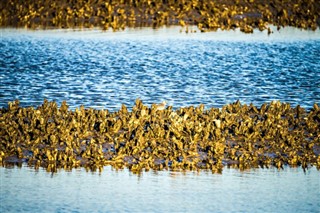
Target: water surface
261, 190
104, 69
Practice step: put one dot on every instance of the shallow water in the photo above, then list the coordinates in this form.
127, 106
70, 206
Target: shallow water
261, 190
105, 69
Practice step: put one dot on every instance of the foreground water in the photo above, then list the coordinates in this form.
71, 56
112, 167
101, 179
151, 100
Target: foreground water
104, 70
261, 190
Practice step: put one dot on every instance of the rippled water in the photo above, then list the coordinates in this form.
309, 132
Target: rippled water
261, 190
104, 70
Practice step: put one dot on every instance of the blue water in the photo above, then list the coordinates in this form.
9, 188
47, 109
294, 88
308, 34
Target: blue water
261, 190
104, 70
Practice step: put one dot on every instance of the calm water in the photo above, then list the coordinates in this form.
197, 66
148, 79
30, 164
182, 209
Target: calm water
263, 190
104, 70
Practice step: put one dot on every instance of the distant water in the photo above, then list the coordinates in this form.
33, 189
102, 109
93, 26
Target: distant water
104, 69
261, 190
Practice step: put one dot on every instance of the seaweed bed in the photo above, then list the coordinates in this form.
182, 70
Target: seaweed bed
118, 14
158, 137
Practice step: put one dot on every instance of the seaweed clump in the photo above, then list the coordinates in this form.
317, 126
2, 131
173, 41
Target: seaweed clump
158, 137
118, 14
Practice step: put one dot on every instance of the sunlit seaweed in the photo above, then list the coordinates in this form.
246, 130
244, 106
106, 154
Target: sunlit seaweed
118, 14
158, 137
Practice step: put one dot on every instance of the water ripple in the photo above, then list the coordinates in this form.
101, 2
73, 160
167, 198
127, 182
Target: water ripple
104, 73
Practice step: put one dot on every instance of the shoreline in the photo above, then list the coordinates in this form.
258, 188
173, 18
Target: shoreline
286, 34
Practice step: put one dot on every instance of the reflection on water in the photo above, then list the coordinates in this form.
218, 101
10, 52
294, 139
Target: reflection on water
261, 190
104, 70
